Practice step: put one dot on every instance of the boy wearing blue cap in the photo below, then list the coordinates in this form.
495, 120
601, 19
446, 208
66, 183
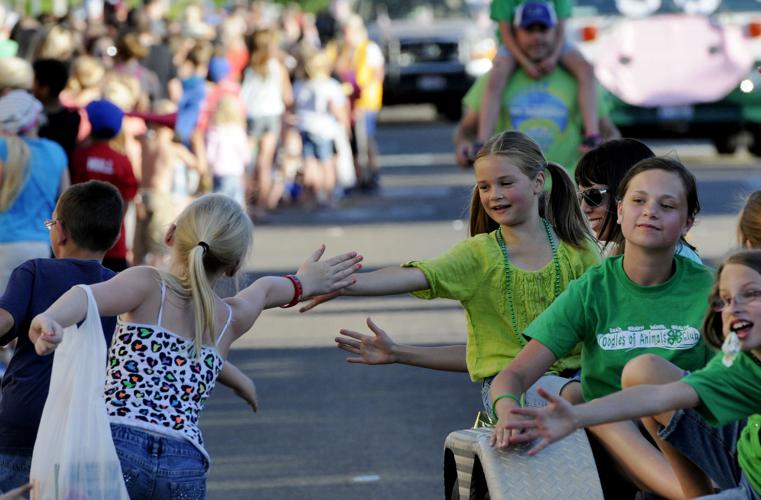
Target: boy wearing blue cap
98, 160
534, 16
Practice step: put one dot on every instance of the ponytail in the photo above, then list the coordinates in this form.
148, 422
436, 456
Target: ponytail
212, 234
14, 172
562, 209
480, 223
202, 294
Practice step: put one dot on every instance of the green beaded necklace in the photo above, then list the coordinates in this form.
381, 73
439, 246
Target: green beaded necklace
508, 275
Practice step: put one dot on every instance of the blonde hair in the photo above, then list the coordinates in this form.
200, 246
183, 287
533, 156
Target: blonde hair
15, 73
58, 43
561, 208
749, 223
86, 72
317, 65
220, 224
13, 172
228, 111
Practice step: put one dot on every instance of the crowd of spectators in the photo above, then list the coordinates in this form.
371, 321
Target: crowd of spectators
265, 103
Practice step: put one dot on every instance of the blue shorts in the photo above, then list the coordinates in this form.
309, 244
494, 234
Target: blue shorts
155, 466
713, 449
314, 146
14, 470
503, 52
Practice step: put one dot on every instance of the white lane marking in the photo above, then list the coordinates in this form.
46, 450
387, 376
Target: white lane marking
369, 478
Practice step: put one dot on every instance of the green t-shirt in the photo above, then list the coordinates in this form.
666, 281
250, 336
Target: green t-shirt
732, 393
504, 10
616, 320
546, 110
473, 273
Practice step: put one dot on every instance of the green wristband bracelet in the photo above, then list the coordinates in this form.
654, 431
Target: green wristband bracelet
503, 396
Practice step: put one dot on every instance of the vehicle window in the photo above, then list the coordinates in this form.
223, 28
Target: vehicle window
413, 9
585, 8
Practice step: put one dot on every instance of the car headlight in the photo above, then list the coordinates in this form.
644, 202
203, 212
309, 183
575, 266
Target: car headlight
480, 57
753, 81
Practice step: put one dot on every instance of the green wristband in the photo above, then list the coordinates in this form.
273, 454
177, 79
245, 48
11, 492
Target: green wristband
503, 396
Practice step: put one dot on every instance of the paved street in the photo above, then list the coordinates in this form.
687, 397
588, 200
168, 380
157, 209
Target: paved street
330, 430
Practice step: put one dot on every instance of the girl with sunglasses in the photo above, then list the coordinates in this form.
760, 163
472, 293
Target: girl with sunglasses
646, 301
598, 174
511, 268
707, 422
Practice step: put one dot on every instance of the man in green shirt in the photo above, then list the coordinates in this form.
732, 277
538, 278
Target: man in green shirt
545, 109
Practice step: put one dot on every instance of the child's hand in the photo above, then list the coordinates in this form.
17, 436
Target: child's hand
377, 349
46, 334
546, 66
319, 278
247, 392
17, 493
531, 70
552, 422
319, 299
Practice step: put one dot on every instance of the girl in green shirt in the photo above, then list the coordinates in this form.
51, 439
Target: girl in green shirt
513, 266
719, 439
646, 301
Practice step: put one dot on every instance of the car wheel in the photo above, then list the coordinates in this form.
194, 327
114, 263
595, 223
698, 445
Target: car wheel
451, 110
754, 147
725, 144
454, 492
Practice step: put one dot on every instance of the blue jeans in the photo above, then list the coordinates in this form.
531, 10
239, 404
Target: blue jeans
155, 466
713, 449
14, 470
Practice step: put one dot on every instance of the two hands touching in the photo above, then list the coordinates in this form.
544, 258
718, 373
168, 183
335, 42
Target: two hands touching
551, 423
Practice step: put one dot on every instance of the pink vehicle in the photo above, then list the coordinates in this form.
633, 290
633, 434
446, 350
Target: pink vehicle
677, 67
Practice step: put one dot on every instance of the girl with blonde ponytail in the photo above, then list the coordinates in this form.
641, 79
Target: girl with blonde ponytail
174, 333
513, 266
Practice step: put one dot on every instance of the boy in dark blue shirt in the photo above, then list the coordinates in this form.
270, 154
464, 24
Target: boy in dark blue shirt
85, 224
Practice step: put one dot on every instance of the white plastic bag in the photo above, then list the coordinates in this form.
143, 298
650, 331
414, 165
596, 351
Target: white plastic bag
74, 454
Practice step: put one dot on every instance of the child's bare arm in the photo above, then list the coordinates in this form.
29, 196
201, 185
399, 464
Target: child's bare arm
313, 277
240, 383
506, 30
547, 65
186, 156
559, 418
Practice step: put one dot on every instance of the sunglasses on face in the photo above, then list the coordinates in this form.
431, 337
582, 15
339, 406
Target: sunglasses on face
593, 196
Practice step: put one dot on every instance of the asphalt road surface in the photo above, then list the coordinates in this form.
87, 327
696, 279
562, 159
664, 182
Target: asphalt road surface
331, 430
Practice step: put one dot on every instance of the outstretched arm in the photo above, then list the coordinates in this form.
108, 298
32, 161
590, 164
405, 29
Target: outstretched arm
380, 349
385, 281
121, 294
240, 383
315, 277
559, 418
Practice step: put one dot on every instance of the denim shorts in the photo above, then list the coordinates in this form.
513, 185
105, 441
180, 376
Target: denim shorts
713, 449
503, 52
155, 466
260, 125
14, 470
314, 146
547, 381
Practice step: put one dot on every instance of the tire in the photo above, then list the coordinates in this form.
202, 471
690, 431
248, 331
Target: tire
754, 147
454, 491
725, 144
450, 110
